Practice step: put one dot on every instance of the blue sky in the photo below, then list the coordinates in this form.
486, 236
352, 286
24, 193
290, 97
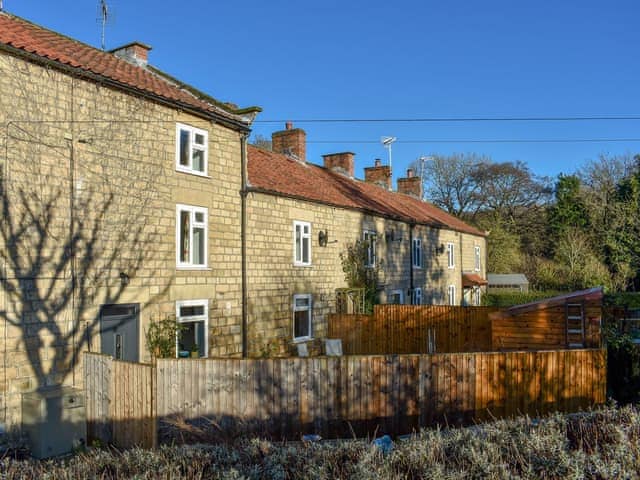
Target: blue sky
403, 59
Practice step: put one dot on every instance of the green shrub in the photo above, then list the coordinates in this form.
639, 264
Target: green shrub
509, 299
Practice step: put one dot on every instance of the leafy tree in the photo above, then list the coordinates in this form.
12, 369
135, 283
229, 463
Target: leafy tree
569, 210
503, 250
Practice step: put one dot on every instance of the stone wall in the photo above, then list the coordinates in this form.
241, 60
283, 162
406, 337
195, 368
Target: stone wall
90, 188
273, 279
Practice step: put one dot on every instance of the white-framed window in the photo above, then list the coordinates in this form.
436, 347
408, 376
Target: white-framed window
302, 315
371, 239
477, 258
191, 236
396, 297
416, 253
301, 243
451, 255
416, 296
193, 335
477, 296
192, 145
451, 295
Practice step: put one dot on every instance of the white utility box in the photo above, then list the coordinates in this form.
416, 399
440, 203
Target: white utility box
54, 421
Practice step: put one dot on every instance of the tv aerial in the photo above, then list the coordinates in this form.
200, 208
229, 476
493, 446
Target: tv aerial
105, 16
387, 141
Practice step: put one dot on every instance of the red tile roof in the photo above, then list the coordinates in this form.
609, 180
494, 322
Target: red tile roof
278, 174
33, 39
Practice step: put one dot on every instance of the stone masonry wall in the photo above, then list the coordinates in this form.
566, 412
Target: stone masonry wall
77, 155
273, 279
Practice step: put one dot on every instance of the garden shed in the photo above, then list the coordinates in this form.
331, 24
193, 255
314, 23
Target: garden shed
571, 320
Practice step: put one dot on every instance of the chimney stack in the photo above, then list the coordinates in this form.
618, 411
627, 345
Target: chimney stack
378, 174
410, 185
291, 141
134, 52
340, 162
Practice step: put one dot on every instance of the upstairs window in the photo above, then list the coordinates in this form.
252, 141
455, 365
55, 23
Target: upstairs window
370, 238
301, 244
416, 253
451, 259
302, 314
193, 318
477, 258
191, 236
191, 149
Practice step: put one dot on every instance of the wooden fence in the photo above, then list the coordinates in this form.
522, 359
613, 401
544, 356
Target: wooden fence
398, 329
120, 401
335, 396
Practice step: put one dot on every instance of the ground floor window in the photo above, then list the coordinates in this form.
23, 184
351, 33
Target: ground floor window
477, 297
451, 295
193, 319
395, 297
302, 315
416, 296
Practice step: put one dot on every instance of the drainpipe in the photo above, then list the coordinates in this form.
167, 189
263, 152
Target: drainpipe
411, 226
243, 238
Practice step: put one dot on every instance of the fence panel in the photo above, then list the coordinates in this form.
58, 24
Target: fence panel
121, 399
400, 329
334, 396
97, 382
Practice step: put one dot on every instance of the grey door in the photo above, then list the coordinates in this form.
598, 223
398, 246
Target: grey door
119, 332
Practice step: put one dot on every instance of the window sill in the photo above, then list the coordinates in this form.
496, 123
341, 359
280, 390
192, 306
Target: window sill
303, 265
185, 268
192, 172
302, 340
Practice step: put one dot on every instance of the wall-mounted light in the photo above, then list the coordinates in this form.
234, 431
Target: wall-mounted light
323, 238
440, 249
124, 279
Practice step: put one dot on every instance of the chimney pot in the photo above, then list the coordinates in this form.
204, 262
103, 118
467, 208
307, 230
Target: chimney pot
289, 126
409, 172
377, 162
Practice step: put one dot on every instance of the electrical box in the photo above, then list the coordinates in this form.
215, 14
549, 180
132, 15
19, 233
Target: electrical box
54, 421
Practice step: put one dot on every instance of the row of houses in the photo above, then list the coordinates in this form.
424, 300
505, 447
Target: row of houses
129, 199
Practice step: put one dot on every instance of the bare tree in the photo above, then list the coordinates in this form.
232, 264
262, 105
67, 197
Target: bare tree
71, 224
451, 182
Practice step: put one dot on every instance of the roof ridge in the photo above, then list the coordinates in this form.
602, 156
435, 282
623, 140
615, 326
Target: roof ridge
72, 53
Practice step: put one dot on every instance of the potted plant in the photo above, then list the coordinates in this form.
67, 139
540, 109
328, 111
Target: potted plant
195, 353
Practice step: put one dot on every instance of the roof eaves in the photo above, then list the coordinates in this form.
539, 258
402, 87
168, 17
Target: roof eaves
398, 218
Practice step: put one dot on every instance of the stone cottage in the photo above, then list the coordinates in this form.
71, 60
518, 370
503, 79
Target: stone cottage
302, 216
129, 198
120, 204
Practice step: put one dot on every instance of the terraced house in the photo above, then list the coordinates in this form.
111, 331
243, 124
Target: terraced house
129, 197
302, 216
120, 207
